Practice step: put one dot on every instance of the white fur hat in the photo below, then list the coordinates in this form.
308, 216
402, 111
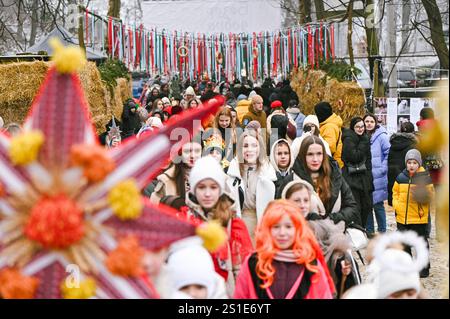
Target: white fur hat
190, 91
401, 277
311, 119
207, 167
395, 270
165, 100
191, 265
154, 121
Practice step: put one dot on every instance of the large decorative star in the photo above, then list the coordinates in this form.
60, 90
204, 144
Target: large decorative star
65, 200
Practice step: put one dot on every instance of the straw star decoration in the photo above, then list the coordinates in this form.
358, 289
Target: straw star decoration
67, 203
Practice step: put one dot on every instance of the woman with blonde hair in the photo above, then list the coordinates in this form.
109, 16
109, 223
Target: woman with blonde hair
288, 262
251, 179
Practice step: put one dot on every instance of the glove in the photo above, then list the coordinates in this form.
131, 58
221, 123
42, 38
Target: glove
313, 216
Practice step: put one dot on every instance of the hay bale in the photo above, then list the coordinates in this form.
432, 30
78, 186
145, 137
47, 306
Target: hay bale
20, 82
313, 86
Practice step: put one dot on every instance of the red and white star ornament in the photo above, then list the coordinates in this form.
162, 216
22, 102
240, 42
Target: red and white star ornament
68, 204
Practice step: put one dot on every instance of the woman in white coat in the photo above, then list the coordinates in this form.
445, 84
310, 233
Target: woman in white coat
251, 180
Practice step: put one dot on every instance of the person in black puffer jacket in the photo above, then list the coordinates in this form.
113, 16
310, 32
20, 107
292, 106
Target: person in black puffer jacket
401, 143
130, 119
355, 151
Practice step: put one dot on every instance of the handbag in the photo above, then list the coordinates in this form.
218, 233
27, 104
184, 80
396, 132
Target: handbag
361, 167
358, 238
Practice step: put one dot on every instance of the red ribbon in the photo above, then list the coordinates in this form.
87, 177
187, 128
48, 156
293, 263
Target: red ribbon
110, 35
332, 42
87, 26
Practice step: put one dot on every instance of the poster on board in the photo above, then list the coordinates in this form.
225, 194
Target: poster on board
417, 104
392, 120
380, 110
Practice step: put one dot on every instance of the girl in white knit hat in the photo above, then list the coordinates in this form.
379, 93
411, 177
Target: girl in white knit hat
310, 127
207, 200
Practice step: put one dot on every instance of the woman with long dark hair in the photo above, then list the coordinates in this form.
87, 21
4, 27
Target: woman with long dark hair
315, 167
379, 149
357, 169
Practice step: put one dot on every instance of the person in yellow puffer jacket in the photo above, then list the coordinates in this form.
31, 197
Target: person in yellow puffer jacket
412, 194
330, 129
242, 106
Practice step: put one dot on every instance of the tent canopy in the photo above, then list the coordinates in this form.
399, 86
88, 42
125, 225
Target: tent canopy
67, 39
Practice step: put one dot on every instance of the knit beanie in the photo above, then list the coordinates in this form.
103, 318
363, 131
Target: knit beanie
253, 125
204, 168
311, 119
397, 273
414, 154
323, 111
354, 121
241, 97
191, 265
165, 100
252, 94
1, 122
275, 104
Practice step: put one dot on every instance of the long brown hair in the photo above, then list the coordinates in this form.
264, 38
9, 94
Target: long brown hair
323, 185
155, 105
262, 157
226, 112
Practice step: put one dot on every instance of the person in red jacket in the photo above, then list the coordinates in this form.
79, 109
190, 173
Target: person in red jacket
288, 262
207, 200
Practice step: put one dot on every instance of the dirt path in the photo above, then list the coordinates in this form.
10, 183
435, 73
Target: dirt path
438, 282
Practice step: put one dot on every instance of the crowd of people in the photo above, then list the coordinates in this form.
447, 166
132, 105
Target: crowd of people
286, 186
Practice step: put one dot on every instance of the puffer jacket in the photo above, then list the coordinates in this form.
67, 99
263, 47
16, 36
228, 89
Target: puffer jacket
269, 119
253, 115
330, 130
379, 149
407, 209
342, 205
401, 143
355, 150
242, 109
298, 117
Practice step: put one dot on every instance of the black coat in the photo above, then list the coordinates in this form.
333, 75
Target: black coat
349, 208
401, 143
355, 150
130, 120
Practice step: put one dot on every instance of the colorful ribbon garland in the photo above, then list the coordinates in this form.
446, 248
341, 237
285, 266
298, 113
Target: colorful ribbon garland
219, 56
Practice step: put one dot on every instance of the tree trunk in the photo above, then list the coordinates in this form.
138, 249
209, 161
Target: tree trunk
20, 17
320, 9
371, 26
34, 22
114, 8
350, 32
392, 47
305, 11
437, 34
406, 12
80, 31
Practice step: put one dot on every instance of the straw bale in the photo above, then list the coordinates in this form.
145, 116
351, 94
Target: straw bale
19, 83
313, 86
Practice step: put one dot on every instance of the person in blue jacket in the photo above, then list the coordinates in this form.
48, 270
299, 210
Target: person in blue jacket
379, 149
